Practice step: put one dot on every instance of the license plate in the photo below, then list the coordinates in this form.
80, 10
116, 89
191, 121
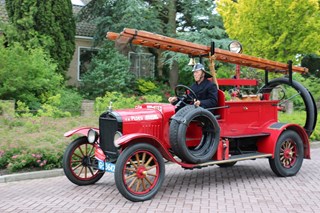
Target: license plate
106, 166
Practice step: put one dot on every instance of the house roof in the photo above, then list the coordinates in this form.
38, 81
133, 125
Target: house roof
83, 28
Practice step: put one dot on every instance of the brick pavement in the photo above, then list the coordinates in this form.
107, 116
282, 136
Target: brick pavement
249, 186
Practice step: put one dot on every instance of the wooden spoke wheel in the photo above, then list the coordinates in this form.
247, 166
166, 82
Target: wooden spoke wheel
139, 172
78, 162
288, 155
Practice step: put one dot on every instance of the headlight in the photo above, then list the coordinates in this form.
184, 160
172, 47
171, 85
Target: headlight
92, 136
117, 135
235, 47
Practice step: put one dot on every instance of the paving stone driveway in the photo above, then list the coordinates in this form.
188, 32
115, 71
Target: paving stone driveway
249, 186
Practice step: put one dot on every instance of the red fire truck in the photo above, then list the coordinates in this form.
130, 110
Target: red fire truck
133, 143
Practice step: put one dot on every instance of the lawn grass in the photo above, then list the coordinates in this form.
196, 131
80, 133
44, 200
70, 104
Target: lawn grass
299, 117
37, 142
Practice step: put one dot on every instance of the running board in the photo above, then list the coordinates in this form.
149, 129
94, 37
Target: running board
262, 134
249, 156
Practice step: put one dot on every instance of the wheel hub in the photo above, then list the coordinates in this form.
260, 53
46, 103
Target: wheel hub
85, 161
288, 153
141, 172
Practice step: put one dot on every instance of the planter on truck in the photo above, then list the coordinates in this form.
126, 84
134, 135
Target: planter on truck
133, 143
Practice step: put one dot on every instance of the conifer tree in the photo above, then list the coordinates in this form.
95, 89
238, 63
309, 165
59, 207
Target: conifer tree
49, 24
192, 20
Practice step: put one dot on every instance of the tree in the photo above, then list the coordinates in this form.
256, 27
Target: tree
312, 62
169, 17
107, 72
110, 15
275, 29
49, 24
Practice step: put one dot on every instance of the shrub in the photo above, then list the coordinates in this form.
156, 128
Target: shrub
108, 72
155, 88
150, 99
119, 101
70, 101
146, 86
5, 156
51, 108
23, 110
64, 104
28, 76
28, 159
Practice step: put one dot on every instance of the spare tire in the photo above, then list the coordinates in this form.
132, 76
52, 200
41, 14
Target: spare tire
310, 105
208, 144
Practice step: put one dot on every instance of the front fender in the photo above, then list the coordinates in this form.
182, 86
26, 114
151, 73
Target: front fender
125, 139
268, 144
80, 131
134, 138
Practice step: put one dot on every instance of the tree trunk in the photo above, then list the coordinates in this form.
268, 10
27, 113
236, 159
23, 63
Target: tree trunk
160, 63
173, 74
171, 29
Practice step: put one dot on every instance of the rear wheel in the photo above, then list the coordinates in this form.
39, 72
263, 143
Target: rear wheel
139, 172
78, 161
288, 155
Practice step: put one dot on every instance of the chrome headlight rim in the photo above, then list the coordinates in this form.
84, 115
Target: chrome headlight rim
117, 135
92, 136
235, 47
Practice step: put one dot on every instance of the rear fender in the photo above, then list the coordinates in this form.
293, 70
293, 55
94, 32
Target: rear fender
305, 139
80, 131
268, 144
130, 139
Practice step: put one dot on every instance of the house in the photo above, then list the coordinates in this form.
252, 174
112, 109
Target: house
84, 50
83, 41
141, 64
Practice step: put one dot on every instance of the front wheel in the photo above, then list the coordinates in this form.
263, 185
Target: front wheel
78, 161
288, 155
139, 172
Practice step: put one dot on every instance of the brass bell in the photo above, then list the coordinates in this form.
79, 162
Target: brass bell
192, 62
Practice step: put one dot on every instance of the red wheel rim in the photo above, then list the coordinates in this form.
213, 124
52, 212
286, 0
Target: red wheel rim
141, 172
80, 162
288, 153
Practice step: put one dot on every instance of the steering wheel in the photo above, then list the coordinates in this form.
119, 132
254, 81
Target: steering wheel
185, 97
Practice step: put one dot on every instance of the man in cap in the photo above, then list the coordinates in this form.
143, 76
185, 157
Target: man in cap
205, 90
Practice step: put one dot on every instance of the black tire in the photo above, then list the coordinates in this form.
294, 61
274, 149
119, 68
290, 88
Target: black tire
288, 155
310, 106
210, 134
226, 165
139, 172
77, 163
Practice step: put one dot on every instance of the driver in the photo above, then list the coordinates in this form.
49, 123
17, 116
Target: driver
205, 90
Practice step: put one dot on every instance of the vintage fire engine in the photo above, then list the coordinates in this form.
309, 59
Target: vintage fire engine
133, 143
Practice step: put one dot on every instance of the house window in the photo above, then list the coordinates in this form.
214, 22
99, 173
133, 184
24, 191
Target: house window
142, 64
85, 56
